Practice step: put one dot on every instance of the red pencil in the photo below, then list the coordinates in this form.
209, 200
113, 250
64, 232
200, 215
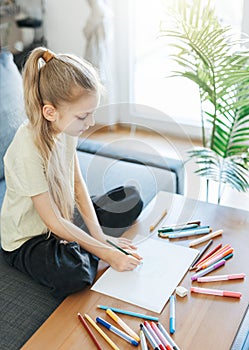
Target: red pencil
208, 255
89, 331
214, 259
218, 252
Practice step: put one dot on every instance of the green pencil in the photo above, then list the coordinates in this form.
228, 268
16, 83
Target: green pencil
116, 246
122, 250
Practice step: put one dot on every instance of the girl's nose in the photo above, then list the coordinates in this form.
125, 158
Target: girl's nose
91, 120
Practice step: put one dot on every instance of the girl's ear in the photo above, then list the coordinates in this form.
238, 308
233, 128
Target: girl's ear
49, 112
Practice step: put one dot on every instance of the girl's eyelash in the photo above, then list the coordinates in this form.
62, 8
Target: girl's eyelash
81, 118
84, 117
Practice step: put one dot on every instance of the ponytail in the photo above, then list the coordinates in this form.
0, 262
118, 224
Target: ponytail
42, 129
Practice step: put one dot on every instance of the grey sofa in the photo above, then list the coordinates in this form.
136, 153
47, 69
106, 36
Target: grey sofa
24, 304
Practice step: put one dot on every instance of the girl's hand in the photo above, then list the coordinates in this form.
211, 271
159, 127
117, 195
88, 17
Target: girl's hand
125, 244
121, 262
121, 242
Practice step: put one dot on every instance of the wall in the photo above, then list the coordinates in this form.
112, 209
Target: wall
63, 26
64, 23
245, 22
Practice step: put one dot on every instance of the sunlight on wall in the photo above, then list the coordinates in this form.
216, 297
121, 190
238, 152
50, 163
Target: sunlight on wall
152, 66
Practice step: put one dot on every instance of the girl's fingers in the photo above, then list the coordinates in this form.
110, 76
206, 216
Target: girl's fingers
135, 255
130, 249
126, 243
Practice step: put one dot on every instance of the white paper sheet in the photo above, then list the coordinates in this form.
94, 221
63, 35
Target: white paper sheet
152, 283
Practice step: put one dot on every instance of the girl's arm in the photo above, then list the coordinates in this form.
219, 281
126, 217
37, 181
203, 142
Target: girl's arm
87, 210
85, 204
68, 231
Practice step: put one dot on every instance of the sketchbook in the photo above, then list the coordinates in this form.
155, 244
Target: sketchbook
151, 284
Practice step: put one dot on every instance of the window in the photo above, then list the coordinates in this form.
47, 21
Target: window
149, 63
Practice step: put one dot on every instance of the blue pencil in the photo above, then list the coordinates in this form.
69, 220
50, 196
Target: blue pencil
117, 331
130, 313
188, 233
172, 314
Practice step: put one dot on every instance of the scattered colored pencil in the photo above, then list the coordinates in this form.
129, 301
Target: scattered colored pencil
94, 339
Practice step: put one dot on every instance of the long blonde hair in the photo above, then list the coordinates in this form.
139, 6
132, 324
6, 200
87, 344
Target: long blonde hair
52, 78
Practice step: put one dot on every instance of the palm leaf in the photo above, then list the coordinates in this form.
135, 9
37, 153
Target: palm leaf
231, 170
208, 55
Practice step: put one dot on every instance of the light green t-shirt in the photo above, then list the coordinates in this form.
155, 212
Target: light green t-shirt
25, 177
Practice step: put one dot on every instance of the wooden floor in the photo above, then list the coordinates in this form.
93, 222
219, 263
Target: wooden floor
172, 147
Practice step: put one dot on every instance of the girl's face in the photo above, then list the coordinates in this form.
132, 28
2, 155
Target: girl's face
74, 118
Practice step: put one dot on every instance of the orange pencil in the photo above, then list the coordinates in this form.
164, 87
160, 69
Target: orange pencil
219, 251
218, 257
208, 255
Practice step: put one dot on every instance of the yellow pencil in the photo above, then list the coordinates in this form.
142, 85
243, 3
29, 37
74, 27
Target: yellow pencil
152, 227
123, 325
109, 341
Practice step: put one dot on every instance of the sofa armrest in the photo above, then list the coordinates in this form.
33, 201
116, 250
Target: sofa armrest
117, 150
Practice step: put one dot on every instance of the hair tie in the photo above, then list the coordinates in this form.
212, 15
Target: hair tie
47, 56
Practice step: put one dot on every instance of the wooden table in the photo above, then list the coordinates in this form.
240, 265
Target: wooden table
202, 321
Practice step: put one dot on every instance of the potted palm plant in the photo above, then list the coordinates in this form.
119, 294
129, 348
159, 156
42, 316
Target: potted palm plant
207, 53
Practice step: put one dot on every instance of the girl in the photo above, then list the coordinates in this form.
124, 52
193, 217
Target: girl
44, 182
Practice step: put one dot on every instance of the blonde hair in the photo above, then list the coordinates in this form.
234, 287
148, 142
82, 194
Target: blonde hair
55, 78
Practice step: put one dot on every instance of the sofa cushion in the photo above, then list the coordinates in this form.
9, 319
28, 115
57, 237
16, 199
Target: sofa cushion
109, 165
12, 106
103, 173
